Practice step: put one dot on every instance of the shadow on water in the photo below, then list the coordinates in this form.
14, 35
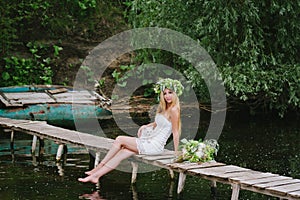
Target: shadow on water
264, 144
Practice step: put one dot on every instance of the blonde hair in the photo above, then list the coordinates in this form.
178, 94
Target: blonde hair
162, 107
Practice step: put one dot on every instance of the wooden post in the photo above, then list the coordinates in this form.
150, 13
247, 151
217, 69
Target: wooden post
235, 191
172, 175
213, 188
181, 182
33, 146
171, 188
12, 150
42, 146
59, 153
134, 172
97, 159
34, 161
12, 140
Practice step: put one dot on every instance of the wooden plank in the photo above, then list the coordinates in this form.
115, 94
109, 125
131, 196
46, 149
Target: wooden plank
186, 166
29, 97
157, 157
7, 122
57, 91
295, 194
265, 179
3, 100
163, 163
61, 95
284, 189
69, 136
255, 175
231, 175
72, 95
276, 183
215, 171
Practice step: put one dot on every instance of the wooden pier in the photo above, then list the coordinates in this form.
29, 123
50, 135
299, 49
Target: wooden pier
239, 178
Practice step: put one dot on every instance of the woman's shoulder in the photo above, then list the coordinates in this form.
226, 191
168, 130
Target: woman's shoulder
174, 110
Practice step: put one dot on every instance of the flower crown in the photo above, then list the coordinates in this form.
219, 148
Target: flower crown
171, 84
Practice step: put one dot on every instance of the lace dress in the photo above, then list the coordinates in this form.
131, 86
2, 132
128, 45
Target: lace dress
153, 140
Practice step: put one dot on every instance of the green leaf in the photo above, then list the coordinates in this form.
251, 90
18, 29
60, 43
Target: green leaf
5, 76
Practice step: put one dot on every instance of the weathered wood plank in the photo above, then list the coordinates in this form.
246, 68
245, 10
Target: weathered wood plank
215, 171
164, 162
254, 175
265, 179
12, 122
284, 189
295, 194
158, 157
59, 134
28, 98
276, 183
186, 166
73, 96
56, 91
51, 96
4, 101
239, 174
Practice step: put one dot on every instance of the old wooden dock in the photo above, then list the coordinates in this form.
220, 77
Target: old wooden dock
239, 178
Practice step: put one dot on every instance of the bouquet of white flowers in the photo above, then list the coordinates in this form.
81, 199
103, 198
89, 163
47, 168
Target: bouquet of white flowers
198, 151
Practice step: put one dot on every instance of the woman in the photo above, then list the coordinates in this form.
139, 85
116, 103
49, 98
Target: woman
151, 137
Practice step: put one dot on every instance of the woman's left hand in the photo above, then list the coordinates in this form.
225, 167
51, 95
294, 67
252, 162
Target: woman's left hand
177, 153
139, 133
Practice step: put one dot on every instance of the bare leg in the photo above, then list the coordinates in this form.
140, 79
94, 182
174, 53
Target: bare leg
94, 169
112, 151
119, 143
110, 165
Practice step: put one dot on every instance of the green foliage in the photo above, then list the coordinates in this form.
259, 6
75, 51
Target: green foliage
40, 19
89, 73
22, 23
142, 72
254, 43
21, 71
36, 69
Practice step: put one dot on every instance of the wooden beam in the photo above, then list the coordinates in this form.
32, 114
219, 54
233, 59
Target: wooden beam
235, 191
181, 182
134, 171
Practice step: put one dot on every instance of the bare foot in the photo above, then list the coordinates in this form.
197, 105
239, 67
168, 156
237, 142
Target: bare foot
91, 179
89, 172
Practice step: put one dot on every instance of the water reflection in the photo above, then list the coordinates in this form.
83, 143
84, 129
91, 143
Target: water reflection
96, 194
93, 196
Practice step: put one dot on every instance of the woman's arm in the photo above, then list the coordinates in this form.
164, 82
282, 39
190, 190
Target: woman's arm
153, 124
174, 114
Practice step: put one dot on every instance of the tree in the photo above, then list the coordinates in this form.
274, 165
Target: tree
255, 44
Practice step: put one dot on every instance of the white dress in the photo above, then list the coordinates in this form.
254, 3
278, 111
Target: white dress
153, 140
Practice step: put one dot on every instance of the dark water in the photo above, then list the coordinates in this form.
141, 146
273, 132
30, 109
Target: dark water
262, 144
